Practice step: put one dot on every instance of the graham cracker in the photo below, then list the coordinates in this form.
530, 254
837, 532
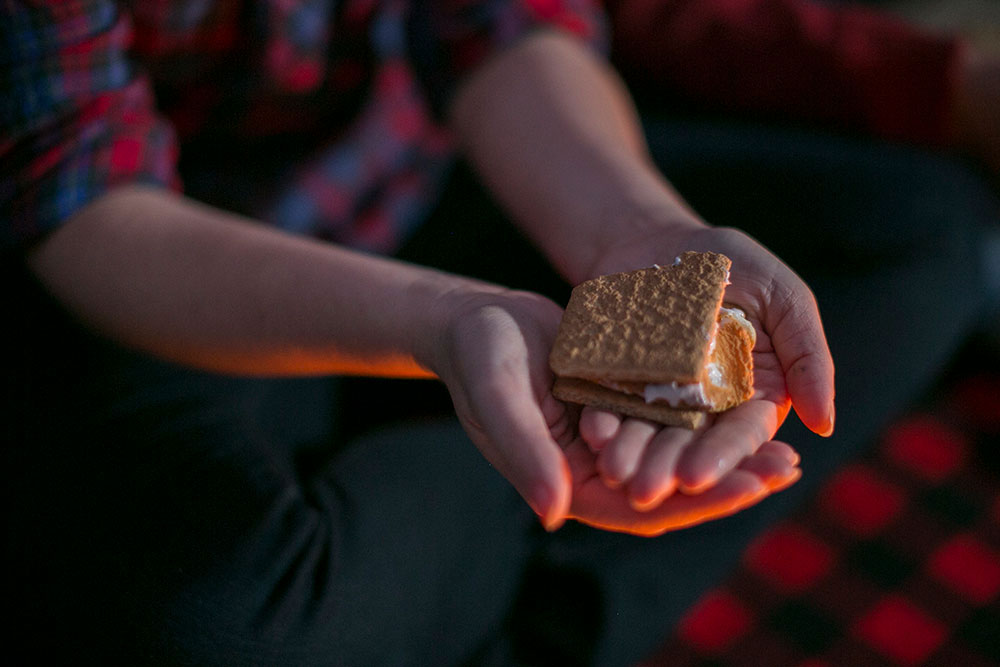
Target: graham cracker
650, 325
575, 390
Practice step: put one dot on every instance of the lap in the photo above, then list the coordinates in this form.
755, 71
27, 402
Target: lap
160, 514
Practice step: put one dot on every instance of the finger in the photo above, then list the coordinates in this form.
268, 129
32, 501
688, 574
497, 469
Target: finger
618, 460
772, 468
781, 449
598, 427
524, 451
596, 505
735, 435
802, 349
561, 418
769, 382
656, 477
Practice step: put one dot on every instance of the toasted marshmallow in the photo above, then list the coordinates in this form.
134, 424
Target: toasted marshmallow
710, 393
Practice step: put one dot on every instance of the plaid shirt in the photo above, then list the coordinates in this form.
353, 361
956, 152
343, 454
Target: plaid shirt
323, 117
95, 93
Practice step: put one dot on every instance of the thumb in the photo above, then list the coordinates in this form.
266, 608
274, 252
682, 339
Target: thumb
521, 446
802, 350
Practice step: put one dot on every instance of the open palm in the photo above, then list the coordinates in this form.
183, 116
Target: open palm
792, 366
495, 363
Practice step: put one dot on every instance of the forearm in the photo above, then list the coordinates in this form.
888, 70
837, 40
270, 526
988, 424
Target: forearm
199, 286
555, 135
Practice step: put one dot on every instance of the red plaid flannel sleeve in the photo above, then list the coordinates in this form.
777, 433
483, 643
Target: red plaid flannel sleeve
449, 38
76, 118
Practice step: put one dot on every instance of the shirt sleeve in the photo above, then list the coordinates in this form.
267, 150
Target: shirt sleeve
450, 38
76, 117
844, 66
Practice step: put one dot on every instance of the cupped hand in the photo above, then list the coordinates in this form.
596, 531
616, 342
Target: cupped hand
493, 356
771, 468
792, 367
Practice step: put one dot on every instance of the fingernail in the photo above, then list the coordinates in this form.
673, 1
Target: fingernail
708, 477
611, 483
554, 524
752, 496
645, 504
540, 503
695, 489
788, 480
639, 504
831, 417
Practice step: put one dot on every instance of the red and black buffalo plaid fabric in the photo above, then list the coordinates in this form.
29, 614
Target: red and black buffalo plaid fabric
896, 561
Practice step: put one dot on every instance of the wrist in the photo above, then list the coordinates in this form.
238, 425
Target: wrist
438, 300
624, 229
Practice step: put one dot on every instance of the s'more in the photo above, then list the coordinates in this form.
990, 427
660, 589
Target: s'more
656, 343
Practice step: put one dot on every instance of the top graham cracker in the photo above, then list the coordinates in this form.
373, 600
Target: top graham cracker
651, 325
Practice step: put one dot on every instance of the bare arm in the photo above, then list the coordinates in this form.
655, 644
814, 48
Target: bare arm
555, 134
197, 285
553, 131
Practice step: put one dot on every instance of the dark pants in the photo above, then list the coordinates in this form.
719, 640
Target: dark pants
159, 515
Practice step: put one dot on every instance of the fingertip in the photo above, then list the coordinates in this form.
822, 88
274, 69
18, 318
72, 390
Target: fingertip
754, 487
740, 489
551, 516
610, 480
821, 424
693, 488
819, 420
695, 474
642, 505
646, 500
831, 418
782, 484
782, 449
613, 472
554, 524
598, 427
550, 500
809, 376
689, 489
647, 491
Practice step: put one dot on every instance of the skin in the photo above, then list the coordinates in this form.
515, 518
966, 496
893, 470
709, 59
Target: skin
613, 212
554, 134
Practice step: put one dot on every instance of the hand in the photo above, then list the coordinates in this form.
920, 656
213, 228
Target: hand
792, 366
771, 468
493, 356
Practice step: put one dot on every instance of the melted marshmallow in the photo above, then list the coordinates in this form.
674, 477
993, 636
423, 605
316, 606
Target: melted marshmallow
677, 395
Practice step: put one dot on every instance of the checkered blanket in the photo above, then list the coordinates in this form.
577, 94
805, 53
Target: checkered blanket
896, 561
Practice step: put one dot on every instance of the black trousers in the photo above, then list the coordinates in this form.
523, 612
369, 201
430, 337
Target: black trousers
157, 515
